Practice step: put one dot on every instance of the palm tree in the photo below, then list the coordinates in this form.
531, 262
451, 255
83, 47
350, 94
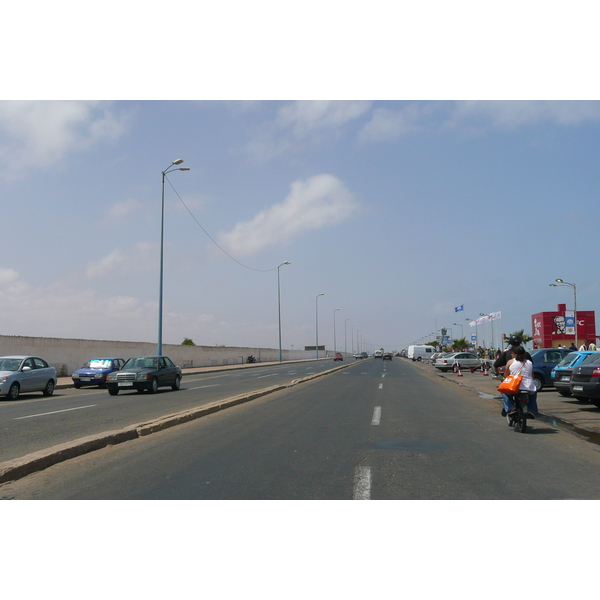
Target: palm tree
460, 344
521, 333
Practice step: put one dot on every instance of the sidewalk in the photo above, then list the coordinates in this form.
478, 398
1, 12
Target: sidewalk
581, 417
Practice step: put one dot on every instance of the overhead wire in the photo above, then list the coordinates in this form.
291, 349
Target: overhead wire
211, 238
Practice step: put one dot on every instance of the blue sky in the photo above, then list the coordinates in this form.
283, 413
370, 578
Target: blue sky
398, 199
397, 211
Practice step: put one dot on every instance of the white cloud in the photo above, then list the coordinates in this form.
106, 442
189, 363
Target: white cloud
388, 124
143, 253
513, 114
305, 123
39, 134
123, 209
319, 201
8, 276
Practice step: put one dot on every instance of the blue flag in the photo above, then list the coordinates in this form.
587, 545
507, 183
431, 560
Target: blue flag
459, 308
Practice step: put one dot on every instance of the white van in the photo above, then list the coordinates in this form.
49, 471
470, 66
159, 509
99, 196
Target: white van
420, 352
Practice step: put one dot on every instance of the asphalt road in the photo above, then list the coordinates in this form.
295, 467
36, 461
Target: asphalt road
379, 430
34, 422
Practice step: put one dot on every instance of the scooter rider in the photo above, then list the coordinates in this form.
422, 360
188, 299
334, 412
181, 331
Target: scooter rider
515, 342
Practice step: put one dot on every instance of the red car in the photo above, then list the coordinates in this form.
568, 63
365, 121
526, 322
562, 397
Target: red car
338, 356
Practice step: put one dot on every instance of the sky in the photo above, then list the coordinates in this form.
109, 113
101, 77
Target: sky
401, 175
396, 211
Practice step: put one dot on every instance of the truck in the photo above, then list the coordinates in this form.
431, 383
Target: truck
420, 352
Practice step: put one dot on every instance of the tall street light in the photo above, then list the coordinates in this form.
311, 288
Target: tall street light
334, 342
561, 282
279, 304
352, 338
172, 167
345, 340
357, 343
317, 321
492, 321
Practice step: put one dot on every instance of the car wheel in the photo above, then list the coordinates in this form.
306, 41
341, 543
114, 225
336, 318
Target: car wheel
49, 389
563, 393
13, 392
538, 383
177, 384
102, 385
153, 386
76, 385
582, 399
113, 391
596, 403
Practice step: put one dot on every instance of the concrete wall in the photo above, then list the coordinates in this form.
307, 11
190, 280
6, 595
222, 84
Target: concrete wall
67, 355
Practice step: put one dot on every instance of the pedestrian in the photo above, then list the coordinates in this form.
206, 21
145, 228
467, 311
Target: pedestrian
583, 347
592, 346
573, 347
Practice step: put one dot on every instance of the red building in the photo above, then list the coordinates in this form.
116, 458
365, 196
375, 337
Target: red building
550, 329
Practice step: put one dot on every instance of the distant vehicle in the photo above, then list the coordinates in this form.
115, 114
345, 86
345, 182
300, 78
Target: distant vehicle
21, 374
544, 360
364, 355
563, 371
358, 355
338, 356
387, 356
377, 354
145, 373
466, 360
95, 372
420, 352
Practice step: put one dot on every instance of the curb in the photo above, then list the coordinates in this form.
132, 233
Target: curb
18, 468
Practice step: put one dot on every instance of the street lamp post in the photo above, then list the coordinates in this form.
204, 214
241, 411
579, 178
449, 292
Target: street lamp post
565, 283
317, 321
357, 342
352, 338
345, 339
279, 305
334, 341
462, 330
492, 321
169, 169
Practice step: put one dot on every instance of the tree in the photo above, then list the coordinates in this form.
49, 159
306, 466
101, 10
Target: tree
460, 344
521, 333
187, 342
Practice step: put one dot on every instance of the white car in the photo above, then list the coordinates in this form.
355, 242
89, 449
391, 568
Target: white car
21, 374
466, 360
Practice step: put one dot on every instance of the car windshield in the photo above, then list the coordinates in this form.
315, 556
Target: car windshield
9, 364
100, 363
568, 359
143, 362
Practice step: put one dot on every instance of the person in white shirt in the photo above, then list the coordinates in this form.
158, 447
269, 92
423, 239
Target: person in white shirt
519, 364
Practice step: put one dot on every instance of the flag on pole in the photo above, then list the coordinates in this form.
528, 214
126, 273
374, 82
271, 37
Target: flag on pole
459, 308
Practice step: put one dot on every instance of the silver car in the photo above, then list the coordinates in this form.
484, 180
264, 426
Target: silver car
466, 360
22, 374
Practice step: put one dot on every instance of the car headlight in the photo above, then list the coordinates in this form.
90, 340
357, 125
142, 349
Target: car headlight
112, 377
75, 376
98, 376
143, 376
3, 379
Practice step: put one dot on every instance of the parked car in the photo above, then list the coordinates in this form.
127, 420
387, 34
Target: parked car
145, 373
338, 356
466, 360
21, 374
95, 372
387, 356
544, 360
585, 380
561, 374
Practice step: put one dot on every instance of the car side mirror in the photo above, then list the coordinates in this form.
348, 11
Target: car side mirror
26, 369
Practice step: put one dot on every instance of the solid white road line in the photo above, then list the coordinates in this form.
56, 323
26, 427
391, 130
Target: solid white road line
381, 386
54, 412
376, 416
204, 386
362, 483
269, 375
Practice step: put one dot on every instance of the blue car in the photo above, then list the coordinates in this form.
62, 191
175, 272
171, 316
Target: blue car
544, 360
561, 374
96, 371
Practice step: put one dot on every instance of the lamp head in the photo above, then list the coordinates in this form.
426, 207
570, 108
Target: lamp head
178, 161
